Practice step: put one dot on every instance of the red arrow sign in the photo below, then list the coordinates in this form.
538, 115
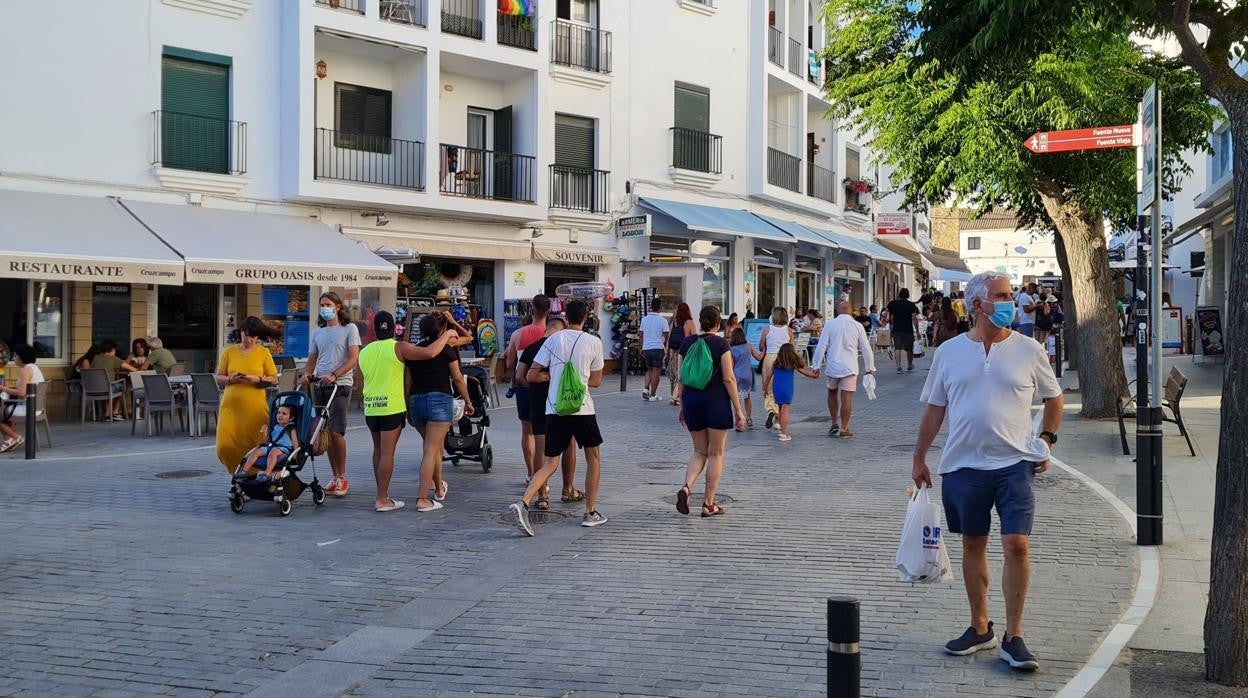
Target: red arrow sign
1095, 138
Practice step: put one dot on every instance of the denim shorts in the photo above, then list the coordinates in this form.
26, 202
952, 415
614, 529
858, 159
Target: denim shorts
423, 408
969, 496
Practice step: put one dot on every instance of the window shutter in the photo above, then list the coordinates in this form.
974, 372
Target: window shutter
363, 118
693, 108
195, 112
574, 141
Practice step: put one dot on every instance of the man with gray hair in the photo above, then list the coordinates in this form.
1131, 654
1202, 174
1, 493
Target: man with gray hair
159, 359
985, 382
842, 341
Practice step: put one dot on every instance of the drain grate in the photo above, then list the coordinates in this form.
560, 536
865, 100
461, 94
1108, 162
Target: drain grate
818, 418
662, 465
182, 474
536, 517
695, 499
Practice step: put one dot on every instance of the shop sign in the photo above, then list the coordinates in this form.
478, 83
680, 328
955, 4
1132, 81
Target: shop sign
518, 278
225, 273
633, 227
122, 272
893, 223
566, 256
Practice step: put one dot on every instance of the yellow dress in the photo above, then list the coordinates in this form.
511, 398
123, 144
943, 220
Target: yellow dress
244, 408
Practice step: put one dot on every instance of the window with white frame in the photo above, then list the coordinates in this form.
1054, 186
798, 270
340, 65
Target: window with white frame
1223, 154
972, 243
36, 315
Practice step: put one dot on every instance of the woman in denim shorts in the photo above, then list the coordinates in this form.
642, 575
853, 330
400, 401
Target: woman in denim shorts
430, 407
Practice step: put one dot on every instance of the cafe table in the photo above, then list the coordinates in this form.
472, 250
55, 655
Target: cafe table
187, 383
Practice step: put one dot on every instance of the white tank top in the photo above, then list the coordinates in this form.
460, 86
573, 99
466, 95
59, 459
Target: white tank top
776, 336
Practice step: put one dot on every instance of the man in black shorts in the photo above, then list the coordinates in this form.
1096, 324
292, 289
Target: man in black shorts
537, 394
903, 320
568, 350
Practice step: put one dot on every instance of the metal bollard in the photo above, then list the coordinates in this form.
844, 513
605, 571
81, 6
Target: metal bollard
844, 661
1057, 352
32, 439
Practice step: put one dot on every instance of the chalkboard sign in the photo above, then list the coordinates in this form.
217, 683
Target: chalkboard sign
110, 315
414, 314
1209, 324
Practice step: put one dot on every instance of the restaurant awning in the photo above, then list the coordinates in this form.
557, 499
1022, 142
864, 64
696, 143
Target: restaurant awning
444, 246
223, 246
713, 219
870, 248
798, 231
62, 237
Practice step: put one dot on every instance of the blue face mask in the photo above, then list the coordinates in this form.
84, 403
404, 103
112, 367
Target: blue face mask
1002, 314
327, 314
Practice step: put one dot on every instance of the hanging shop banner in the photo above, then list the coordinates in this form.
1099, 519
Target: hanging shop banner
1209, 324
633, 227
563, 255
894, 223
212, 272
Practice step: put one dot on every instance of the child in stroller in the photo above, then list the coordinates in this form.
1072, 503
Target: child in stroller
467, 439
275, 450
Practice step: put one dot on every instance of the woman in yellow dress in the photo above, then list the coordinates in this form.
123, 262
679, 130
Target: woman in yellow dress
245, 370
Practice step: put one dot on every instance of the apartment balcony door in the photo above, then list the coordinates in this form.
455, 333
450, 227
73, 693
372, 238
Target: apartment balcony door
480, 144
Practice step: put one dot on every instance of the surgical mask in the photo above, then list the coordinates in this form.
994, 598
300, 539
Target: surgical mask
327, 314
1002, 314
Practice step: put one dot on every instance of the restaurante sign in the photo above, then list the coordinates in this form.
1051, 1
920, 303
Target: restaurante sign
54, 269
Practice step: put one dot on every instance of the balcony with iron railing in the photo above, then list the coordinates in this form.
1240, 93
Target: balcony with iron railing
198, 143
411, 12
697, 151
784, 170
517, 31
820, 182
579, 46
579, 189
463, 18
797, 59
486, 174
775, 46
366, 159
356, 6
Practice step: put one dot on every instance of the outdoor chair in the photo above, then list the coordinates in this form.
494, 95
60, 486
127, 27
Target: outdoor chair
285, 363
801, 342
207, 397
96, 388
1176, 385
178, 369
73, 386
160, 400
41, 409
137, 395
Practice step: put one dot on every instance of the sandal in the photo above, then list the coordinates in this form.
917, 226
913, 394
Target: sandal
682, 500
749, 422
573, 496
712, 510
543, 503
7, 445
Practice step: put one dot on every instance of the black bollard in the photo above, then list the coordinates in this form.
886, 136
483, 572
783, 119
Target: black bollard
32, 440
1057, 352
844, 661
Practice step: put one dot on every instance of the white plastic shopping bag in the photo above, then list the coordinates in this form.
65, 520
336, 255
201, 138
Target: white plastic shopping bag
868, 386
917, 348
921, 556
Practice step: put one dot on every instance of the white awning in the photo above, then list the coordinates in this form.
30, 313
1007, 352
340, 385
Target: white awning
572, 254
222, 246
62, 237
445, 245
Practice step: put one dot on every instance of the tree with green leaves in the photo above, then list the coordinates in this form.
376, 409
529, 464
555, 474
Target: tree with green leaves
973, 40
948, 139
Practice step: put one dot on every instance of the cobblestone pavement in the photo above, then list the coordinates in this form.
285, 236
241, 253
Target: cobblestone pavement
117, 582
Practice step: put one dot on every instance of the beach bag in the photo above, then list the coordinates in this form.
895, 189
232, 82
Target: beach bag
868, 386
921, 555
697, 367
571, 389
320, 445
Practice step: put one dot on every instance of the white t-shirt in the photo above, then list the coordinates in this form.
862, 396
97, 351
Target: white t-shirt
843, 339
988, 399
1026, 318
652, 328
583, 351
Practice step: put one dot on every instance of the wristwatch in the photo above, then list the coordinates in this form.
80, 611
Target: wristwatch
1052, 437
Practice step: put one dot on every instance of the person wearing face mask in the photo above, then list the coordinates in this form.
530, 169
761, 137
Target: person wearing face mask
985, 382
335, 352
245, 370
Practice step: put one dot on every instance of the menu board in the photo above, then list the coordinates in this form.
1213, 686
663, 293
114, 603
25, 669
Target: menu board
110, 315
754, 333
286, 310
1209, 324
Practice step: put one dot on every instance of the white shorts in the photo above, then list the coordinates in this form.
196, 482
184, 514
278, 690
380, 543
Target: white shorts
847, 383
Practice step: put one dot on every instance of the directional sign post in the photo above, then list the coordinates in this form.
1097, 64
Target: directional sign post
1097, 138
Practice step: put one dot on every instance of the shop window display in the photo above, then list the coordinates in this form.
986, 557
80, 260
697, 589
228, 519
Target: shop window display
32, 312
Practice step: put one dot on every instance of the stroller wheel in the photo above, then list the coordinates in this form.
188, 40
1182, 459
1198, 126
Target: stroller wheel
285, 507
236, 504
318, 495
487, 458
454, 460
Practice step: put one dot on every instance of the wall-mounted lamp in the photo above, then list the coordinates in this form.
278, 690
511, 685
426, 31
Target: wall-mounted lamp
322, 69
535, 233
382, 219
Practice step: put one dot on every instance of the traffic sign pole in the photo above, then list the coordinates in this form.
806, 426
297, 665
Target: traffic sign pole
1148, 432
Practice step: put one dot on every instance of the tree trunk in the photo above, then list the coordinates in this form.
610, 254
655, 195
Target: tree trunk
1070, 327
1089, 287
1226, 621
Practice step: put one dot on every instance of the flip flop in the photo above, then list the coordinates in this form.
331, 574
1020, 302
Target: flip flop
446, 487
682, 500
395, 505
425, 510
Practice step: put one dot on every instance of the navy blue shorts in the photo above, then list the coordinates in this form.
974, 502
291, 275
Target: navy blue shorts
522, 402
653, 357
969, 496
706, 409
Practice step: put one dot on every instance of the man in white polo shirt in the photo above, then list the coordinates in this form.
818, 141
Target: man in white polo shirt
985, 381
654, 331
842, 341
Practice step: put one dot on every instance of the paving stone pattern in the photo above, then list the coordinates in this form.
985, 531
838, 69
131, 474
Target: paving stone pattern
116, 582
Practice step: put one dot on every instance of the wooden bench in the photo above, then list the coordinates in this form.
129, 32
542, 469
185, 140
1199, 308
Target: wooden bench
1176, 384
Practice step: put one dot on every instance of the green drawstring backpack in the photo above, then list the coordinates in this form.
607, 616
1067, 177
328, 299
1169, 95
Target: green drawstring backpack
698, 366
571, 390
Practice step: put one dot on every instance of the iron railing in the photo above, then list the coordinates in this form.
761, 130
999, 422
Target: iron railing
581, 47
697, 150
796, 58
357, 157
775, 46
486, 174
413, 12
203, 144
784, 170
579, 188
463, 17
518, 31
820, 182
356, 6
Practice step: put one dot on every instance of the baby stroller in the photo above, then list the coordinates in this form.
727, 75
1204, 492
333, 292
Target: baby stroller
286, 486
467, 439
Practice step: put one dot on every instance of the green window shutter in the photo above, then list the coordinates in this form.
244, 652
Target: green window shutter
574, 141
362, 119
693, 108
195, 114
